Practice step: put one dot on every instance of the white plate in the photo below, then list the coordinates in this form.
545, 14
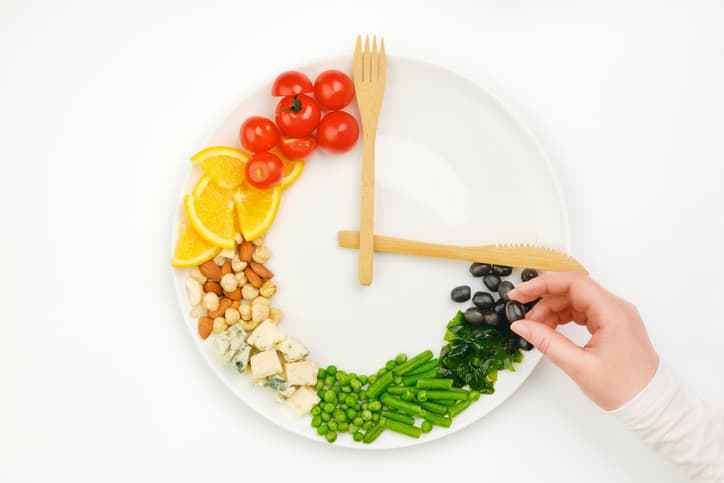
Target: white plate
453, 165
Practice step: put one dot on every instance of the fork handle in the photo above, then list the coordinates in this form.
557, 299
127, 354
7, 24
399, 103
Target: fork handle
367, 209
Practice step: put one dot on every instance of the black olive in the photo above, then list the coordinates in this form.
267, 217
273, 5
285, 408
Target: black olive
531, 304
504, 288
499, 309
479, 269
474, 316
528, 274
492, 281
514, 311
524, 344
490, 317
502, 270
483, 300
460, 294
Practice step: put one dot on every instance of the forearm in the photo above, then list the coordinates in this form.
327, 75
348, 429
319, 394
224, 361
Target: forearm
683, 428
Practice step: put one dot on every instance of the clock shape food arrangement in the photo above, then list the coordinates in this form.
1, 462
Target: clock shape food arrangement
297, 299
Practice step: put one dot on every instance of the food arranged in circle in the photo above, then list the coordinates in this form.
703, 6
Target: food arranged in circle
231, 288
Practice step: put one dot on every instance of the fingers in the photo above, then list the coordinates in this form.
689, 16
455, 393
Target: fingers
554, 345
581, 290
555, 310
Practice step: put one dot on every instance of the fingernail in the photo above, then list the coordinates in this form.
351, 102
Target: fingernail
521, 329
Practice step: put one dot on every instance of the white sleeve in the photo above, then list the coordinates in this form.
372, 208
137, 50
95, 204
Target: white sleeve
678, 425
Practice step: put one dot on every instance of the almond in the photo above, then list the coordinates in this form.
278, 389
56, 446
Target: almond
213, 287
226, 267
246, 249
235, 295
261, 270
211, 271
206, 325
252, 277
224, 304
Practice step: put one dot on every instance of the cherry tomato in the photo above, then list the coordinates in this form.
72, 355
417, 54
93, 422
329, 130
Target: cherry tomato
337, 132
298, 148
291, 82
297, 115
333, 89
258, 134
264, 170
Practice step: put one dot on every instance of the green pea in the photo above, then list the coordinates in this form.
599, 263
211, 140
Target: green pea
329, 380
367, 415
321, 393
328, 407
381, 372
375, 416
372, 379
322, 373
319, 385
316, 410
343, 406
346, 389
316, 421
358, 421
322, 429
390, 365
375, 406
340, 376
350, 401
355, 384
343, 427
330, 397
367, 425
340, 415
331, 436
325, 416
400, 358
397, 380
357, 436
337, 389
331, 370
351, 414
365, 406
332, 425
363, 395
353, 428
362, 379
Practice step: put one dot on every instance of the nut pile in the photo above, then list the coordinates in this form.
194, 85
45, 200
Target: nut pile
235, 287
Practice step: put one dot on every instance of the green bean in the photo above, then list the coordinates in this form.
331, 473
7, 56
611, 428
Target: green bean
438, 420
458, 408
447, 395
434, 407
380, 384
404, 406
428, 366
422, 395
444, 402
395, 416
474, 395
424, 383
426, 426
413, 363
374, 432
412, 379
408, 396
403, 428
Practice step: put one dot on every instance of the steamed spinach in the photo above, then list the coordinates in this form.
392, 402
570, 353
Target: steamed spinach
475, 353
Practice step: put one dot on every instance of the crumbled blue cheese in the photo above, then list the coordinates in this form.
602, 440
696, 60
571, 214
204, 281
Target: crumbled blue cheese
265, 364
265, 336
232, 348
303, 400
292, 349
301, 373
280, 385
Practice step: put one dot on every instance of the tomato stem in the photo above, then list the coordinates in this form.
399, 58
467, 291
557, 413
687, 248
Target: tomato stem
295, 107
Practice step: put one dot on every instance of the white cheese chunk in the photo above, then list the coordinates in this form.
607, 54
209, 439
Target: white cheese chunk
301, 373
292, 349
265, 336
265, 364
303, 400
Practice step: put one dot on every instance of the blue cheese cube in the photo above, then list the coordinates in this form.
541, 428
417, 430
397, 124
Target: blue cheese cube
265, 364
265, 336
301, 373
303, 400
292, 349
241, 358
280, 385
230, 345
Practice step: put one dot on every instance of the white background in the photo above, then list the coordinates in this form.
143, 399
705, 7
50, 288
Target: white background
100, 106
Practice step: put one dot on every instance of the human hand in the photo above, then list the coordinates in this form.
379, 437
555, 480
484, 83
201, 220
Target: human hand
616, 363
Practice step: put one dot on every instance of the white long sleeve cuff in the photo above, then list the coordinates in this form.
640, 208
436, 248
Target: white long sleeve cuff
678, 425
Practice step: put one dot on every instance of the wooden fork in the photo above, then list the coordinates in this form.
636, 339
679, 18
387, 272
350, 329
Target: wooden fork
369, 73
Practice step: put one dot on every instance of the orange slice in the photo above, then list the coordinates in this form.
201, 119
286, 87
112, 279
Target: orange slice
191, 250
291, 169
212, 218
206, 188
256, 209
223, 164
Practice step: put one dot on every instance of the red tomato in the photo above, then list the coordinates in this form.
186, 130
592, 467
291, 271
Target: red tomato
258, 134
337, 132
264, 170
297, 115
298, 148
333, 89
291, 82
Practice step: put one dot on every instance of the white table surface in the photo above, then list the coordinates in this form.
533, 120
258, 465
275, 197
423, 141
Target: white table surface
100, 103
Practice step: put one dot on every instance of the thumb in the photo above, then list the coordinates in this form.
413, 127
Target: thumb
554, 345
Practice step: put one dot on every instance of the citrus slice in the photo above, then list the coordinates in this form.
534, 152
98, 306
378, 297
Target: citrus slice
213, 219
256, 209
225, 165
208, 189
291, 170
191, 250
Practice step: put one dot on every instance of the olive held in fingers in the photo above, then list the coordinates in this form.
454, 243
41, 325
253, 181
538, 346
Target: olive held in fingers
503, 289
